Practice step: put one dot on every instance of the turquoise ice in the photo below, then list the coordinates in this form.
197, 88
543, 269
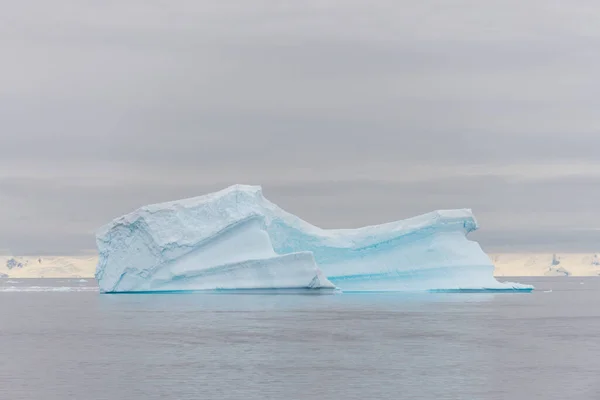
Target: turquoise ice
237, 239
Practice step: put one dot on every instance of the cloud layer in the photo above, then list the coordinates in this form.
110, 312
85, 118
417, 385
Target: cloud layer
348, 113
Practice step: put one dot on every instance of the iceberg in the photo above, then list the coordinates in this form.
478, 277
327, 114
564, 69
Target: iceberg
237, 239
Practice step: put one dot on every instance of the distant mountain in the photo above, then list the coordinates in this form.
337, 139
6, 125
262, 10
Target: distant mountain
546, 264
507, 264
48, 266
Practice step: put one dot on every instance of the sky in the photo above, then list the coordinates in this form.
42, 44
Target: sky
348, 113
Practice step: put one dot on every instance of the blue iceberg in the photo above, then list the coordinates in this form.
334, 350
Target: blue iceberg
237, 239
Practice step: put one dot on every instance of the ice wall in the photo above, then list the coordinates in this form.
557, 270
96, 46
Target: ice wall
237, 239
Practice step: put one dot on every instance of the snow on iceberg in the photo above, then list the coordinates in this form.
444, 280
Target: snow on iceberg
237, 239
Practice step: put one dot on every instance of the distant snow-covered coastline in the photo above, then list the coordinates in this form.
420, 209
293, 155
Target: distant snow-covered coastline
546, 264
79, 266
507, 264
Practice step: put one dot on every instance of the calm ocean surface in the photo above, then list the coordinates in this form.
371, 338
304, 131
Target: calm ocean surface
60, 339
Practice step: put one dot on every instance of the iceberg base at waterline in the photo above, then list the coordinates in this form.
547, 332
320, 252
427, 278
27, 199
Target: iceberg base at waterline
236, 239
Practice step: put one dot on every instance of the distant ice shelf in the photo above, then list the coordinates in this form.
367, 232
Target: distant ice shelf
236, 239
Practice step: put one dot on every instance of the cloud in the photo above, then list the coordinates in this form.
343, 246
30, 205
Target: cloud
348, 112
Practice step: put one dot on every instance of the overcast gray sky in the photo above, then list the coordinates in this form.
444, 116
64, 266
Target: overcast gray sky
346, 112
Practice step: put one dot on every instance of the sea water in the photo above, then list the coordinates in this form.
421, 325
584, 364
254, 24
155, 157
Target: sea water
61, 339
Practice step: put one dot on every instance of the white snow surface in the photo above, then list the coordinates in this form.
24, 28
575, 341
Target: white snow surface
237, 239
44, 266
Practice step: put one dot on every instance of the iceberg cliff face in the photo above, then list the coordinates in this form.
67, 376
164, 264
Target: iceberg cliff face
237, 239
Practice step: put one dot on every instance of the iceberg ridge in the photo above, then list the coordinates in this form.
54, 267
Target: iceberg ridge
237, 239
